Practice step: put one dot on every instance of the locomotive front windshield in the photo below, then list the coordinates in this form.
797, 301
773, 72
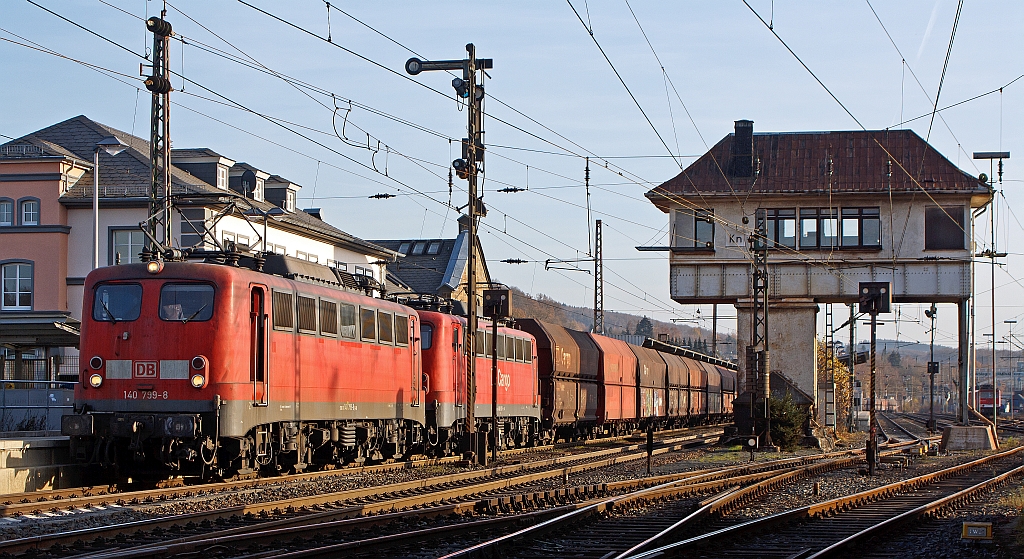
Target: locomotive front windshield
186, 302
117, 302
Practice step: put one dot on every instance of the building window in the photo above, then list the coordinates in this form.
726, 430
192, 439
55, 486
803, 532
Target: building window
257, 193
280, 249
404, 248
417, 249
944, 228
289, 200
860, 227
30, 212
126, 245
222, 178
781, 227
434, 247
704, 228
17, 286
818, 228
6, 213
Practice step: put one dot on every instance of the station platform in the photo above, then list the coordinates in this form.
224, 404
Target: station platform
31, 462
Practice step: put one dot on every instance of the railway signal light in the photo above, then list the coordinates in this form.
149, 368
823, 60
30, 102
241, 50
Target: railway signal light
461, 168
497, 303
875, 297
461, 87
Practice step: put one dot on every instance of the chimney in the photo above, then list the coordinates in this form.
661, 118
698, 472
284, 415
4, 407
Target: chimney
742, 162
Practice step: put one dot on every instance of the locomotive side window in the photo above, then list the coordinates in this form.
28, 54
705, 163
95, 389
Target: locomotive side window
500, 347
283, 312
426, 335
186, 302
307, 314
528, 351
119, 302
348, 321
519, 349
386, 327
368, 319
481, 346
328, 318
401, 330
510, 348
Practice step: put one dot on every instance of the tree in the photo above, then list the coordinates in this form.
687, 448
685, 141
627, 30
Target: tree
645, 328
895, 359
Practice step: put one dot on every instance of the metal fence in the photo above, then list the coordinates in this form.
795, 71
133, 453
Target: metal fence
34, 399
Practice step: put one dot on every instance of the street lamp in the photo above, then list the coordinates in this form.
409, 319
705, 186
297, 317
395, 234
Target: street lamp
112, 146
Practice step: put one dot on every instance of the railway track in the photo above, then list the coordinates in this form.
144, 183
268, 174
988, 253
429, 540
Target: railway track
836, 526
670, 486
13, 504
490, 484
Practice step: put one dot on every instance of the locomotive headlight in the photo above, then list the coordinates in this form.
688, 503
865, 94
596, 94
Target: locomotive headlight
198, 380
96, 362
155, 266
199, 363
95, 380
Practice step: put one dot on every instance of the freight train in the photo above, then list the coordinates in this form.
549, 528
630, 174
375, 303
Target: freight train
272, 363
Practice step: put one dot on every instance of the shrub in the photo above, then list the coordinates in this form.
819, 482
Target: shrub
787, 422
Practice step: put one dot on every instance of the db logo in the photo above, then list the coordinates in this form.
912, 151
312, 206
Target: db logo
504, 380
145, 369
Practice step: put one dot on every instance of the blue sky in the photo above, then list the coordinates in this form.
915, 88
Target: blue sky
723, 62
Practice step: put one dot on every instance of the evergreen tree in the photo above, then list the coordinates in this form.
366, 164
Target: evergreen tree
645, 328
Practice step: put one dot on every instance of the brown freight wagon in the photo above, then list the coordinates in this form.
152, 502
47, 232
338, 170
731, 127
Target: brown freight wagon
617, 385
677, 393
651, 383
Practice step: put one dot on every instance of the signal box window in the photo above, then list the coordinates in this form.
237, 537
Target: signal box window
284, 314
17, 287
781, 225
704, 228
115, 302
127, 243
401, 330
818, 228
861, 228
348, 321
426, 335
186, 302
328, 318
386, 327
944, 228
368, 319
307, 314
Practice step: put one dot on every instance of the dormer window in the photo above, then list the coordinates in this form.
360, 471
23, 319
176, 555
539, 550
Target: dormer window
257, 193
434, 247
289, 200
222, 178
404, 248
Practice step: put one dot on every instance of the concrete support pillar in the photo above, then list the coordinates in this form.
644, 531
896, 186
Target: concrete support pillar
792, 329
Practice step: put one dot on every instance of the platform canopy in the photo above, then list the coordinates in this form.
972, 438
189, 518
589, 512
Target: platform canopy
39, 329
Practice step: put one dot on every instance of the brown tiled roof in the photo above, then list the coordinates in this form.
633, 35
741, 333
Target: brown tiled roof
799, 162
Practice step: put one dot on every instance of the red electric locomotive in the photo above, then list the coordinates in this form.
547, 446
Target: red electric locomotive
444, 371
204, 368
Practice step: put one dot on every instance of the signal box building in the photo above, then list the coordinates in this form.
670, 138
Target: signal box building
841, 208
46, 229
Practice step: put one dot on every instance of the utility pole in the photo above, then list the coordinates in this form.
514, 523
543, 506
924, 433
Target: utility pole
851, 353
598, 278
159, 131
933, 369
758, 367
467, 168
992, 255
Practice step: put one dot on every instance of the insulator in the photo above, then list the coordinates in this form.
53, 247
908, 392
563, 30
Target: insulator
158, 84
159, 26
